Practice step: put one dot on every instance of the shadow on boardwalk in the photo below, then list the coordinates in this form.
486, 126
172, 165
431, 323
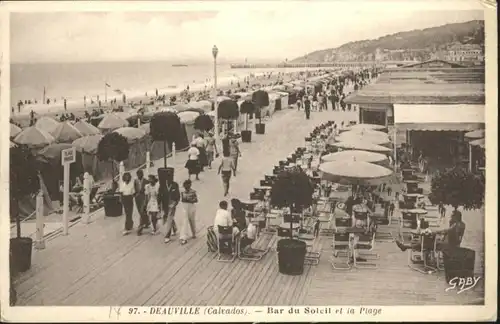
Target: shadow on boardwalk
95, 265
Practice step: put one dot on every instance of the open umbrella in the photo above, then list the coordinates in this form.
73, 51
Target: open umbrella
362, 145
279, 88
413, 195
352, 172
222, 98
132, 134
204, 105
350, 136
417, 211
188, 117
475, 134
479, 142
47, 124
14, 130
122, 114
86, 129
33, 136
366, 127
65, 132
53, 151
180, 107
196, 110
354, 155
111, 122
88, 143
228, 109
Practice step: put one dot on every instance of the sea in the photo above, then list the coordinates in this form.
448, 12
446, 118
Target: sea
74, 81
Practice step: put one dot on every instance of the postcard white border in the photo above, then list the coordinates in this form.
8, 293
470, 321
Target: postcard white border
389, 313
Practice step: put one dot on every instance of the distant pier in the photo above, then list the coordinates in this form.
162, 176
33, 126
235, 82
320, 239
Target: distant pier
310, 65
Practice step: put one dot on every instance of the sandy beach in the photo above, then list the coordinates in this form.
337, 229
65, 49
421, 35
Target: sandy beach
138, 101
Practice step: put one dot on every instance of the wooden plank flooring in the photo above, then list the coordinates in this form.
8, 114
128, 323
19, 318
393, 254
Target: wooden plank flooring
95, 265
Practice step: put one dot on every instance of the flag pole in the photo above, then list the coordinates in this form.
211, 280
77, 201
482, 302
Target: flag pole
44, 91
105, 92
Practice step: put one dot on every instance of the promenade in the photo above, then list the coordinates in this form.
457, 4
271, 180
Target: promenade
96, 266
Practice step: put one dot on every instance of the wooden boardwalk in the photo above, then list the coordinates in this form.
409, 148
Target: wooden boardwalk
96, 266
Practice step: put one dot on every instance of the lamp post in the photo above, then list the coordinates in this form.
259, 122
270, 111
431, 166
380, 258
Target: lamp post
215, 51
305, 79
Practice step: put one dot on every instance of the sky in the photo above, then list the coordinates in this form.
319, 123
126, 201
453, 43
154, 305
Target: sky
241, 30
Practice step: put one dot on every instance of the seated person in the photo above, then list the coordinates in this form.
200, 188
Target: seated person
249, 236
454, 234
223, 218
416, 245
238, 214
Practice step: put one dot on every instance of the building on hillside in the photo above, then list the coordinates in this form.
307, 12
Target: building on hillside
427, 107
465, 53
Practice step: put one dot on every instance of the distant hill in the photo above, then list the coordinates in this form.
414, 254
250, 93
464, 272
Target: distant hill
415, 44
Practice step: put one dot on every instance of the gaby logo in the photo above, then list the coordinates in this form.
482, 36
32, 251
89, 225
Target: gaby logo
462, 284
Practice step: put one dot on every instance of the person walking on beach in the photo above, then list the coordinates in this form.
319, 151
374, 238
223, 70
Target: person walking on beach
226, 167
234, 151
127, 191
307, 107
193, 164
189, 199
211, 149
140, 200
153, 208
169, 196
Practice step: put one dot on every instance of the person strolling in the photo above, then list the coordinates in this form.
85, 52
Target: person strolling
189, 199
234, 151
226, 167
211, 149
307, 107
169, 195
140, 200
127, 191
153, 208
193, 164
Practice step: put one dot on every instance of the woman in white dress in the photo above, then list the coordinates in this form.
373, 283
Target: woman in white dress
152, 207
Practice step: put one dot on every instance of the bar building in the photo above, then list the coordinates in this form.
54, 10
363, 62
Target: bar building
428, 105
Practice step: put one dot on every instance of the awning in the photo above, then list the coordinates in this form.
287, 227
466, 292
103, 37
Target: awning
375, 107
439, 117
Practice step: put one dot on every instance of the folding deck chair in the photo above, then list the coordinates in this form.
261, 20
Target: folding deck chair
226, 247
362, 249
253, 254
341, 252
419, 259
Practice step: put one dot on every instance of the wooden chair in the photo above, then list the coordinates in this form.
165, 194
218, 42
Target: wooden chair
342, 223
363, 248
380, 234
253, 254
341, 251
226, 247
422, 255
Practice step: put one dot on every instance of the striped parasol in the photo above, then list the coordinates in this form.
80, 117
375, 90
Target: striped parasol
14, 130
34, 137
112, 122
47, 124
86, 129
65, 132
88, 143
